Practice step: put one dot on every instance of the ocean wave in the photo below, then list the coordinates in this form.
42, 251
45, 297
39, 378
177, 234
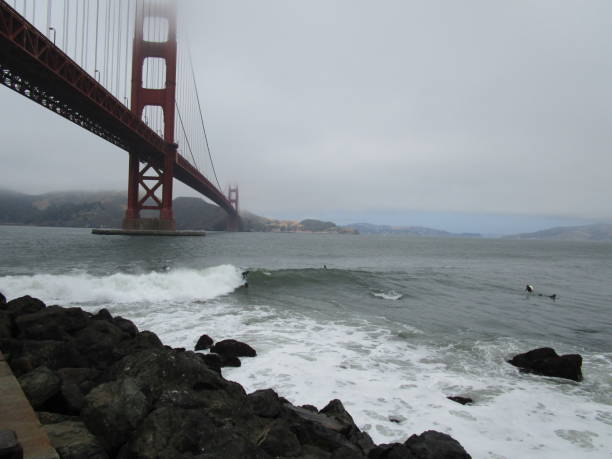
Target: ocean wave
180, 285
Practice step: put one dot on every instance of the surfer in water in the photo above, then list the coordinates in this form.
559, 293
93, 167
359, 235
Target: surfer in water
245, 277
530, 290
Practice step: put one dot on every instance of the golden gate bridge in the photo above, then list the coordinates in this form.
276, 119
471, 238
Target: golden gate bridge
114, 68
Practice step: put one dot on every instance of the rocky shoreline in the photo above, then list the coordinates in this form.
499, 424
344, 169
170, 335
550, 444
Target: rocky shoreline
104, 389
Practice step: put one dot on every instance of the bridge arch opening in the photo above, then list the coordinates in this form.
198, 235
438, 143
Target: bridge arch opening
153, 116
154, 73
155, 29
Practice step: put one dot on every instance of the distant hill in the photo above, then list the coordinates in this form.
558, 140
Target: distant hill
101, 210
368, 228
596, 232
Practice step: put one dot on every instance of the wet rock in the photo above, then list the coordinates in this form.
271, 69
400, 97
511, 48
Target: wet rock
435, 445
390, 451
545, 361
312, 408
230, 361
113, 410
213, 361
126, 326
48, 417
23, 305
9, 445
2, 299
72, 440
159, 369
99, 341
231, 347
318, 430
397, 418
335, 409
6, 325
25, 355
40, 385
85, 378
204, 342
277, 440
70, 398
53, 322
265, 403
460, 399
103, 314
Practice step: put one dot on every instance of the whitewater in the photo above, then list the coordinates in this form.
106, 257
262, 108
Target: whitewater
392, 327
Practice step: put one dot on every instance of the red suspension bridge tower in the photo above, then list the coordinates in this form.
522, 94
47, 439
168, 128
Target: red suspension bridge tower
148, 176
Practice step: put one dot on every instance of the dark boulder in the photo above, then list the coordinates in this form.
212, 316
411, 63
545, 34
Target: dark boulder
335, 409
72, 440
98, 342
390, 451
23, 305
40, 385
6, 325
435, 445
231, 347
173, 433
230, 361
2, 299
53, 322
113, 410
205, 342
213, 361
103, 314
278, 440
265, 403
126, 326
85, 378
545, 361
460, 399
25, 355
312, 408
9, 445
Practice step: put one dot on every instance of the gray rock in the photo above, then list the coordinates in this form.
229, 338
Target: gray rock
2, 299
72, 440
204, 342
26, 355
40, 385
265, 403
277, 440
545, 361
112, 411
460, 399
6, 325
23, 305
435, 445
335, 409
233, 348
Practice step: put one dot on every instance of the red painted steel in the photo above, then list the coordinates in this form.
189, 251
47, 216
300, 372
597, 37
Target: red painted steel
164, 98
33, 66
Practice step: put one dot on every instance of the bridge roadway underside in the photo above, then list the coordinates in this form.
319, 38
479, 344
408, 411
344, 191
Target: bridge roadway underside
33, 66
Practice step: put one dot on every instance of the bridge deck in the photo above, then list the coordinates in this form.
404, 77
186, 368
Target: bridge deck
17, 414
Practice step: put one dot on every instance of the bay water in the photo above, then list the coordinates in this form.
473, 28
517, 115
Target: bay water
390, 325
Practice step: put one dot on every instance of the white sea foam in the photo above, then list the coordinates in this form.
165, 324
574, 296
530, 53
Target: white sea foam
390, 295
380, 374
179, 285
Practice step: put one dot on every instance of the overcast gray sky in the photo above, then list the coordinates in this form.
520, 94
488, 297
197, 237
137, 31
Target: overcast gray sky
390, 107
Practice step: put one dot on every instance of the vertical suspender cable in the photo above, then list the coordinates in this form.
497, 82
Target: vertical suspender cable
49, 18
106, 41
76, 31
65, 25
127, 43
96, 71
83, 35
119, 31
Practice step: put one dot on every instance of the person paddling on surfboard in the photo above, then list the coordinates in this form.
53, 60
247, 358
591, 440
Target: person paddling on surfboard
529, 289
